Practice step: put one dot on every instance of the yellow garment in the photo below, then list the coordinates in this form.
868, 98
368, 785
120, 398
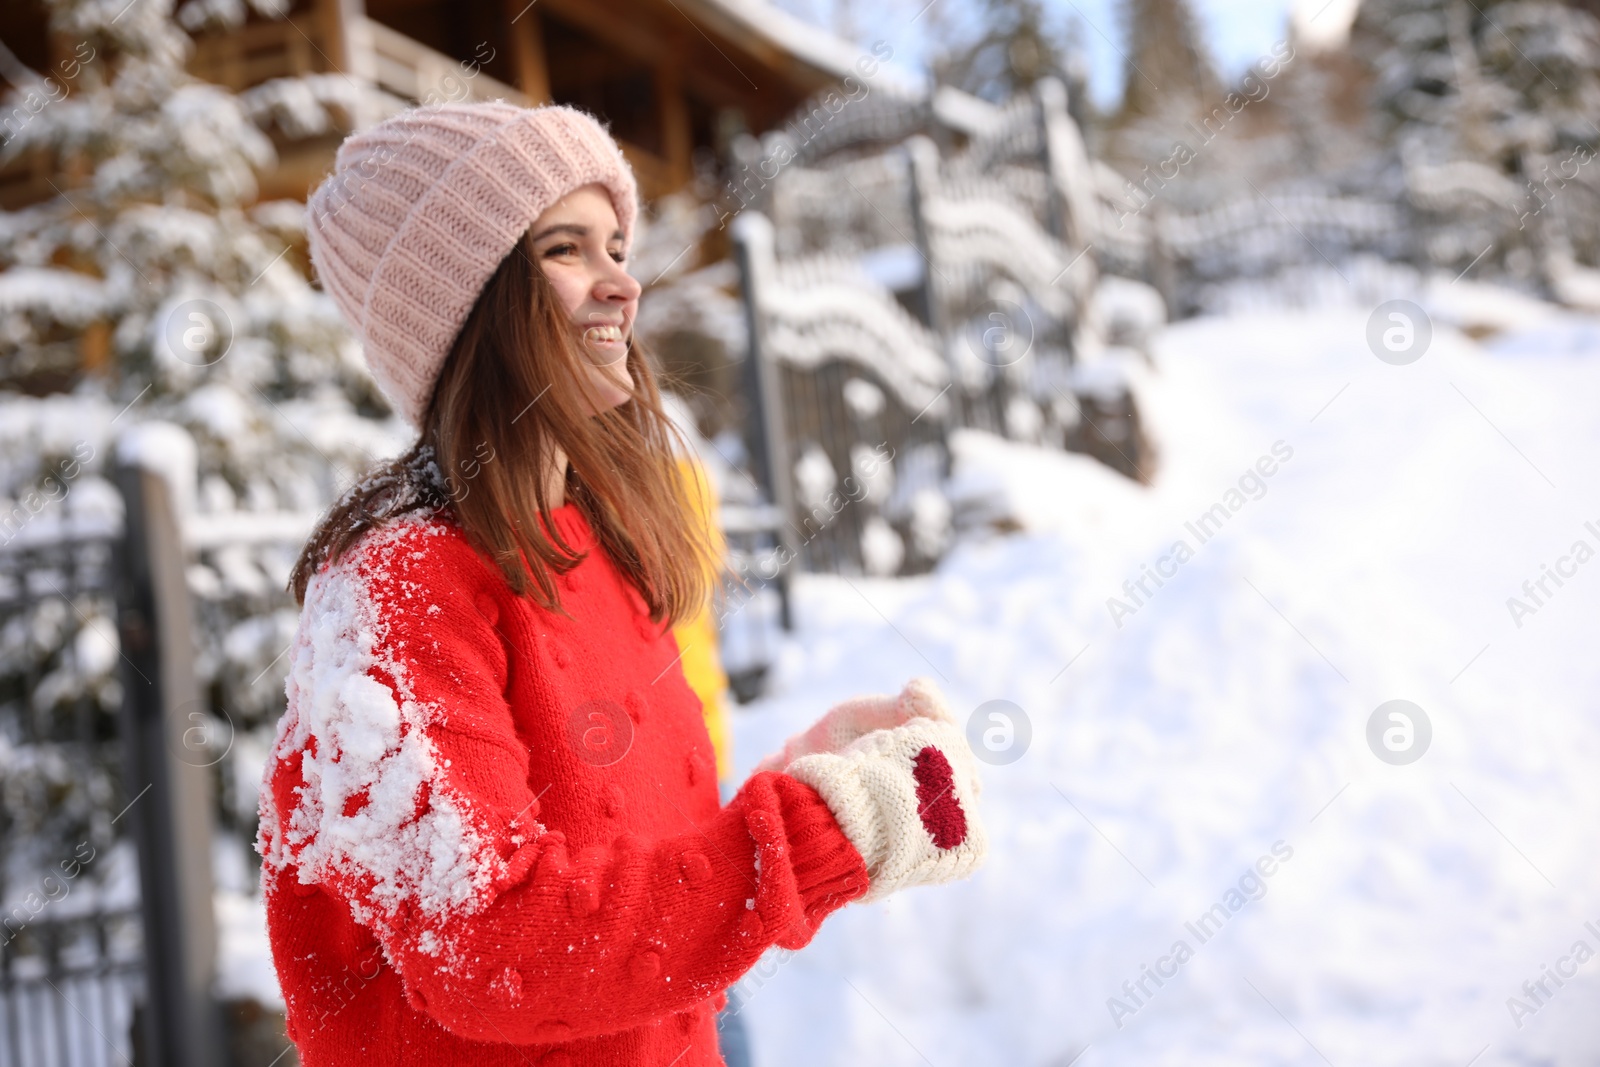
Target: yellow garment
697, 635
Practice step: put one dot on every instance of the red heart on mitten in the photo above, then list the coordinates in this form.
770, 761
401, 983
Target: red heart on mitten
937, 805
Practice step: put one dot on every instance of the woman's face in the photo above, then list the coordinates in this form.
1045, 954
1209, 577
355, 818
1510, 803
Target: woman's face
578, 245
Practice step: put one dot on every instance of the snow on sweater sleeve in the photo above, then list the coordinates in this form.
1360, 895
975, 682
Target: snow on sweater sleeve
421, 818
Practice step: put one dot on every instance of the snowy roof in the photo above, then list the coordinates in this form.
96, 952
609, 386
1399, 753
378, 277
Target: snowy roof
812, 45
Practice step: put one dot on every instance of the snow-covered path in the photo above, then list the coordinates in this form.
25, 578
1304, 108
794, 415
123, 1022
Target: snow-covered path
1225, 720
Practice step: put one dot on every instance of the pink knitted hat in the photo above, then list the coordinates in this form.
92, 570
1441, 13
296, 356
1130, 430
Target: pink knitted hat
420, 210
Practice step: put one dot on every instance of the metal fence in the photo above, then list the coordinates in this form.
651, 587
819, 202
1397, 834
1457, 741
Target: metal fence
107, 942
120, 772
895, 292
69, 990
72, 960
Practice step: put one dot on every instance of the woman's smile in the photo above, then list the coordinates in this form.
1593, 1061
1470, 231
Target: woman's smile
606, 340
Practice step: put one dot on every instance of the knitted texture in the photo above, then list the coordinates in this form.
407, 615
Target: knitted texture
905, 798
420, 210
491, 834
850, 719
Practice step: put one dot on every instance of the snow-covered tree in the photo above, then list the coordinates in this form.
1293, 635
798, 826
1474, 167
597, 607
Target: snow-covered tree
151, 285
1009, 46
1166, 59
1492, 111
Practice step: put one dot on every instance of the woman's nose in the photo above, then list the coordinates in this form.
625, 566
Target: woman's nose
617, 285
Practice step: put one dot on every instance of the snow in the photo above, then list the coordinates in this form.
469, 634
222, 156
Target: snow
372, 762
167, 449
992, 480
1225, 721
66, 295
813, 45
970, 114
1130, 311
220, 409
311, 104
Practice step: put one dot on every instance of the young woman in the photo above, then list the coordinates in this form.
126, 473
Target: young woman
490, 824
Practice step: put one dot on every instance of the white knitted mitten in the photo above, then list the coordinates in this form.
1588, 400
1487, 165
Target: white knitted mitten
846, 721
905, 798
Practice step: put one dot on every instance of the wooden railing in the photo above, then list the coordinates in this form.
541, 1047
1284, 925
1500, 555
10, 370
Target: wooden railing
260, 52
413, 71
382, 56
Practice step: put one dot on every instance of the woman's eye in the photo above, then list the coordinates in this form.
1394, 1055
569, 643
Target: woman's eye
618, 256
561, 250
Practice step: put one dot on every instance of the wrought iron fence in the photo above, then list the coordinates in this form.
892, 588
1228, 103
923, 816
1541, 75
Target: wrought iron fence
893, 293
107, 941
69, 990
72, 958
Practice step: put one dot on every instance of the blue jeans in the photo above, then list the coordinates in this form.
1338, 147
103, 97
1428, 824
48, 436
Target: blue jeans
732, 1037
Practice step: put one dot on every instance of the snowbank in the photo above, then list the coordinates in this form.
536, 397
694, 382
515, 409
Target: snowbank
1223, 721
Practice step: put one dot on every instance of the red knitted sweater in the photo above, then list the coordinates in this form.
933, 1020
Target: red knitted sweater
492, 835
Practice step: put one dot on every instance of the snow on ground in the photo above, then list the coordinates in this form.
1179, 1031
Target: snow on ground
1225, 718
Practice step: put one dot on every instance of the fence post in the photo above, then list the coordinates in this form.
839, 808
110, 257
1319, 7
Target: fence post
1068, 173
1046, 95
753, 245
1163, 261
922, 166
172, 812
1069, 177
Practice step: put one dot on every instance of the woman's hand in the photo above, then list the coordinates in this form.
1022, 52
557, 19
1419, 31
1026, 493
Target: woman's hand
858, 716
904, 797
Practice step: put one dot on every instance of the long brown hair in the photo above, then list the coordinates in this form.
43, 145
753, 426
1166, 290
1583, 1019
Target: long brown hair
514, 388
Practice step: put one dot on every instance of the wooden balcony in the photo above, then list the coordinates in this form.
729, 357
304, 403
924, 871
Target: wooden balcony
373, 54
259, 52
413, 71
672, 77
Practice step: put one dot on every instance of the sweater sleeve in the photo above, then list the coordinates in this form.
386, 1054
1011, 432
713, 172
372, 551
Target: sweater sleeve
421, 818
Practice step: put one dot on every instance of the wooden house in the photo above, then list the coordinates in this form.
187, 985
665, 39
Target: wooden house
672, 77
